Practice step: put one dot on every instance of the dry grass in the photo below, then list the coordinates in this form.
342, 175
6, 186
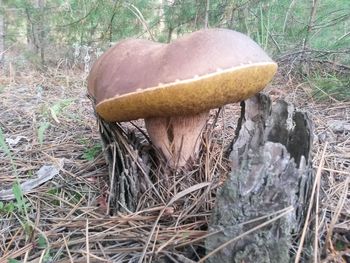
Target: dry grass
65, 218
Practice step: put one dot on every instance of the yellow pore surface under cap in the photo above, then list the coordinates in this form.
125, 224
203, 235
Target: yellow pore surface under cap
189, 96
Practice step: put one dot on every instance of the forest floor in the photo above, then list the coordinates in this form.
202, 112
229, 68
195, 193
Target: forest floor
49, 143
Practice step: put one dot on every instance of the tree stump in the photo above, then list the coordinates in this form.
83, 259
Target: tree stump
271, 171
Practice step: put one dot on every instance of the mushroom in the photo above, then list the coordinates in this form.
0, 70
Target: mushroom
173, 86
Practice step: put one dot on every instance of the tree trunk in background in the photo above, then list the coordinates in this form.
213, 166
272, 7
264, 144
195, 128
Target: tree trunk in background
2, 38
36, 29
206, 21
32, 38
271, 175
41, 30
170, 33
30, 34
310, 27
310, 24
161, 26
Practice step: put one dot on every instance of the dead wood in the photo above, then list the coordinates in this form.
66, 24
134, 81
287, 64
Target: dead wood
271, 173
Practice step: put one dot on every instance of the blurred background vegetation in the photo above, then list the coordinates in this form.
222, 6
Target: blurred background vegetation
310, 39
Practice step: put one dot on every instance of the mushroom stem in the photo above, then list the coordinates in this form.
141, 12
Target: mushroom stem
177, 137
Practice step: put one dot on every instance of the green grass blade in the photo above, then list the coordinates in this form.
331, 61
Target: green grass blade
41, 131
3, 144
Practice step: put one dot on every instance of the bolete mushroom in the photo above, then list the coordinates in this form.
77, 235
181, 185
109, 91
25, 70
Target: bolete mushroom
173, 86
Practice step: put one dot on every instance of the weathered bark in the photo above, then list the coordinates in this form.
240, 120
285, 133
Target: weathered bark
271, 170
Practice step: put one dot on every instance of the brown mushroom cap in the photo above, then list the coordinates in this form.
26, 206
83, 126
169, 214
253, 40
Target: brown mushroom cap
203, 70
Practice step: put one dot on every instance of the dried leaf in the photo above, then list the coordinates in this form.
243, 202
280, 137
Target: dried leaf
45, 173
15, 141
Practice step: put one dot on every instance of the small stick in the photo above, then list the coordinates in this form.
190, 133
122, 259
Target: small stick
87, 241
